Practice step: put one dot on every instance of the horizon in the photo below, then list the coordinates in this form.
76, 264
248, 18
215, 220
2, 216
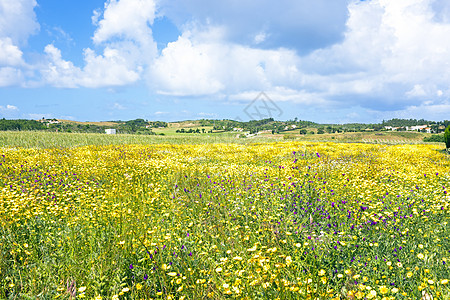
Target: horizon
425, 122
349, 61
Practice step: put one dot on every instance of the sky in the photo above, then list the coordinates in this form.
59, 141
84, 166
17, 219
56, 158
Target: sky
339, 61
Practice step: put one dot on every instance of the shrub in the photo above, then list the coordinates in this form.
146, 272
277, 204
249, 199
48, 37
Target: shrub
434, 138
447, 137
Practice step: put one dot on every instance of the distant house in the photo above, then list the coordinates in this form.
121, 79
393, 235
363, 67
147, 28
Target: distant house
428, 130
47, 122
110, 131
391, 128
416, 128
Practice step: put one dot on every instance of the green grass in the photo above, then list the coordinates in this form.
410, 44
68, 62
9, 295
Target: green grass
40, 139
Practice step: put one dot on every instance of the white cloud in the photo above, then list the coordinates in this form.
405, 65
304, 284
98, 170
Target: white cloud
10, 76
392, 48
17, 23
59, 72
160, 113
260, 37
96, 14
320, 22
128, 48
17, 20
9, 107
394, 54
38, 116
10, 111
195, 66
281, 94
416, 91
184, 69
118, 106
128, 19
110, 69
10, 54
377, 54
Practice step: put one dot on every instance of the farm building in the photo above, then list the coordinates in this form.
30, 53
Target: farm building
110, 131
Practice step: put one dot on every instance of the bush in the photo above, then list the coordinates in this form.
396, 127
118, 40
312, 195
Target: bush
447, 137
435, 138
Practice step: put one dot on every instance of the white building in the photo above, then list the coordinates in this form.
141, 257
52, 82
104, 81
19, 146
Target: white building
416, 128
110, 131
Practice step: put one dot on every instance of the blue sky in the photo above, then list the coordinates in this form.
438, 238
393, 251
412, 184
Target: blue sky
325, 61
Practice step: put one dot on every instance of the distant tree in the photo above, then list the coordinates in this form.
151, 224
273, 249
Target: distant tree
303, 131
447, 137
320, 131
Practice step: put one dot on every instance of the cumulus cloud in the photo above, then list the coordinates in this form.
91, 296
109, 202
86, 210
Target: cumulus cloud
393, 55
128, 19
10, 76
9, 111
17, 23
10, 54
378, 55
59, 72
392, 50
9, 107
17, 20
193, 65
123, 31
109, 69
184, 69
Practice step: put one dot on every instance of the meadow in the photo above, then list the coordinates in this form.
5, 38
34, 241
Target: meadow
125, 217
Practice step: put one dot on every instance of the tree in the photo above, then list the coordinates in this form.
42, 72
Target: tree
303, 131
447, 137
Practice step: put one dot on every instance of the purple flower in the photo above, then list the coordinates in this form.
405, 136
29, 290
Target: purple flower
131, 266
145, 277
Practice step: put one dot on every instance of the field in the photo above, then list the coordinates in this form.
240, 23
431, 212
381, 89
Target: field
127, 217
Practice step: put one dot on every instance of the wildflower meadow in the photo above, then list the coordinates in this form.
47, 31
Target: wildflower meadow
280, 220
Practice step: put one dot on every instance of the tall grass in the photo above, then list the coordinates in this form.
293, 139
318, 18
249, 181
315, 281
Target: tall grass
40, 139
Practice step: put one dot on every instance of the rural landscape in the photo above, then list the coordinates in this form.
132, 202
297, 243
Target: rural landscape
218, 216
224, 150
